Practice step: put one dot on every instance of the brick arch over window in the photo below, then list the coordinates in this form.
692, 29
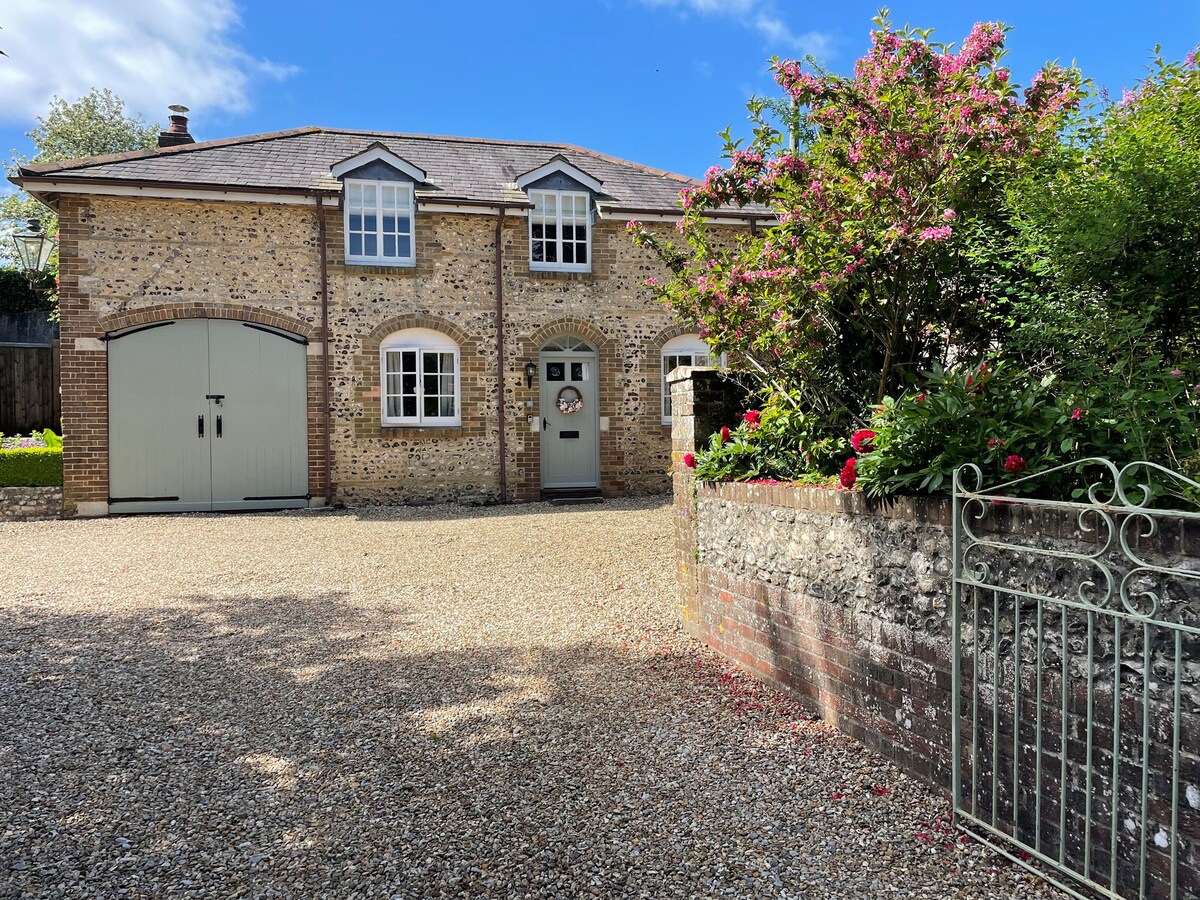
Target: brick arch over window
165, 312
476, 382
401, 323
668, 333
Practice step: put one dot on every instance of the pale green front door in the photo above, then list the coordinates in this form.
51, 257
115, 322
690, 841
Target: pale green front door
570, 441
207, 414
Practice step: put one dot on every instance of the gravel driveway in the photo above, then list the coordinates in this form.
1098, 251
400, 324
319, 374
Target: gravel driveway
417, 703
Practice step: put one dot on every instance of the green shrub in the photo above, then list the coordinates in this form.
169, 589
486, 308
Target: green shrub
52, 439
31, 466
1012, 423
781, 442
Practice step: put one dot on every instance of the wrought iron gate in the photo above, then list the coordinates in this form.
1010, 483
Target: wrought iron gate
1076, 677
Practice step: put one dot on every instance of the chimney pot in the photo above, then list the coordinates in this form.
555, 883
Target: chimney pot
177, 132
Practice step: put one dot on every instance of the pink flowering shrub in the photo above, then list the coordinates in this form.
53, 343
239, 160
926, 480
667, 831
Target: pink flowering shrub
900, 163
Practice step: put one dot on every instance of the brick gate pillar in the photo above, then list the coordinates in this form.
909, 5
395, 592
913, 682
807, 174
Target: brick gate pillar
702, 400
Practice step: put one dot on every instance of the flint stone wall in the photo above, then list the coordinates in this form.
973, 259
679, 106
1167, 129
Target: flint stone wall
129, 261
845, 604
25, 503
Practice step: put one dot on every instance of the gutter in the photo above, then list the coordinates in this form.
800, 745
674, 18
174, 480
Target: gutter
500, 353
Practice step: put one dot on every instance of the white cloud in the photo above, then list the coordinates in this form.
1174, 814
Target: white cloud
762, 16
150, 52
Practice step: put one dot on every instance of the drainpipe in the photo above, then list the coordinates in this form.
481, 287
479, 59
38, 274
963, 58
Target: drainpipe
500, 352
325, 388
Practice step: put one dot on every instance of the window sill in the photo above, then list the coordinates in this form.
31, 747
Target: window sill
560, 270
419, 432
421, 426
381, 263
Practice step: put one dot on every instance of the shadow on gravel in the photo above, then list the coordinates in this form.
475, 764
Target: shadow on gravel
292, 747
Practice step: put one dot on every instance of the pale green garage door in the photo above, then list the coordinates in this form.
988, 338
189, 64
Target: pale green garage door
206, 414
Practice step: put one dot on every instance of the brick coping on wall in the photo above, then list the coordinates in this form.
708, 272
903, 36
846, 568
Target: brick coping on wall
930, 510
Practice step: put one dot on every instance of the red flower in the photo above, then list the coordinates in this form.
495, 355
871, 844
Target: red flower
920, 398
861, 440
995, 442
1077, 413
849, 473
724, 434
1014, 464
752, 419
689, 460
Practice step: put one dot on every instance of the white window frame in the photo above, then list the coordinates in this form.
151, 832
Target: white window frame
691, 346
419, 341
379, 259
536, 219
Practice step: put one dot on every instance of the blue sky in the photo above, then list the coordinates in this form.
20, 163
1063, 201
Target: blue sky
648, 80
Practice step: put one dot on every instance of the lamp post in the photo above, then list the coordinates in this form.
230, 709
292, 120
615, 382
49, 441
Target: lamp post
34, 248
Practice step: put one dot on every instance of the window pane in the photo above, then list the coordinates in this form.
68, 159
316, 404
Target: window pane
430, 382
393, 407
537, 231
368, 194
404, 246
404, 225
389, 245
370, 245
581, 253
409, 383
666, 400
538, 253
555, 371
551, 232
568, 253
448, 362
447, 407
409, 361
431, 407
355, 222
370, 222
393, 383
447, 386
551, 252
568, 232
356, 245
409, 405
389, 223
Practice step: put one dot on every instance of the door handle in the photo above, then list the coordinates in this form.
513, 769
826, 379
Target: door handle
545, 424
200, 426
218, 426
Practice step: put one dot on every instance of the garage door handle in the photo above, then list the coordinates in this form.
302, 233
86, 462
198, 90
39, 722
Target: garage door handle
200, 426
218, 426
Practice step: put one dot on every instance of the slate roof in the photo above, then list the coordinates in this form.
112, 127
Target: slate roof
458, 169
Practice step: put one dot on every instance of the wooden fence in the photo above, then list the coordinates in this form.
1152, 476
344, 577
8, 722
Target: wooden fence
29, 397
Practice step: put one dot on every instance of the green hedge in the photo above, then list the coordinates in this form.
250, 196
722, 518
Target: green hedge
32, 466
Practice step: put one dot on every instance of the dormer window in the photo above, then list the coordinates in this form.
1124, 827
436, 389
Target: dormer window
379, 223
560, 233
560, 220
379, 207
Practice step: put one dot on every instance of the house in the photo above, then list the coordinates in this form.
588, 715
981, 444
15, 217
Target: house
318, 316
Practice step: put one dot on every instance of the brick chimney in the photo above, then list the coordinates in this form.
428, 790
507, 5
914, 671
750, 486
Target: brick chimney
177, 132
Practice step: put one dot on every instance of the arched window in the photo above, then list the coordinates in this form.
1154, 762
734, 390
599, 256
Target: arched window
685, 350
419, 369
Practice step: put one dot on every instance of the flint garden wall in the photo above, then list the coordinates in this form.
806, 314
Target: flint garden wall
845, 603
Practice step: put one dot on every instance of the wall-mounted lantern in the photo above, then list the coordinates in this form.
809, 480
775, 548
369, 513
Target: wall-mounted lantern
34, 248
530, 373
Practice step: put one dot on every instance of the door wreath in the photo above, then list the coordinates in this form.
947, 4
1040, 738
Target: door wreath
569, 400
